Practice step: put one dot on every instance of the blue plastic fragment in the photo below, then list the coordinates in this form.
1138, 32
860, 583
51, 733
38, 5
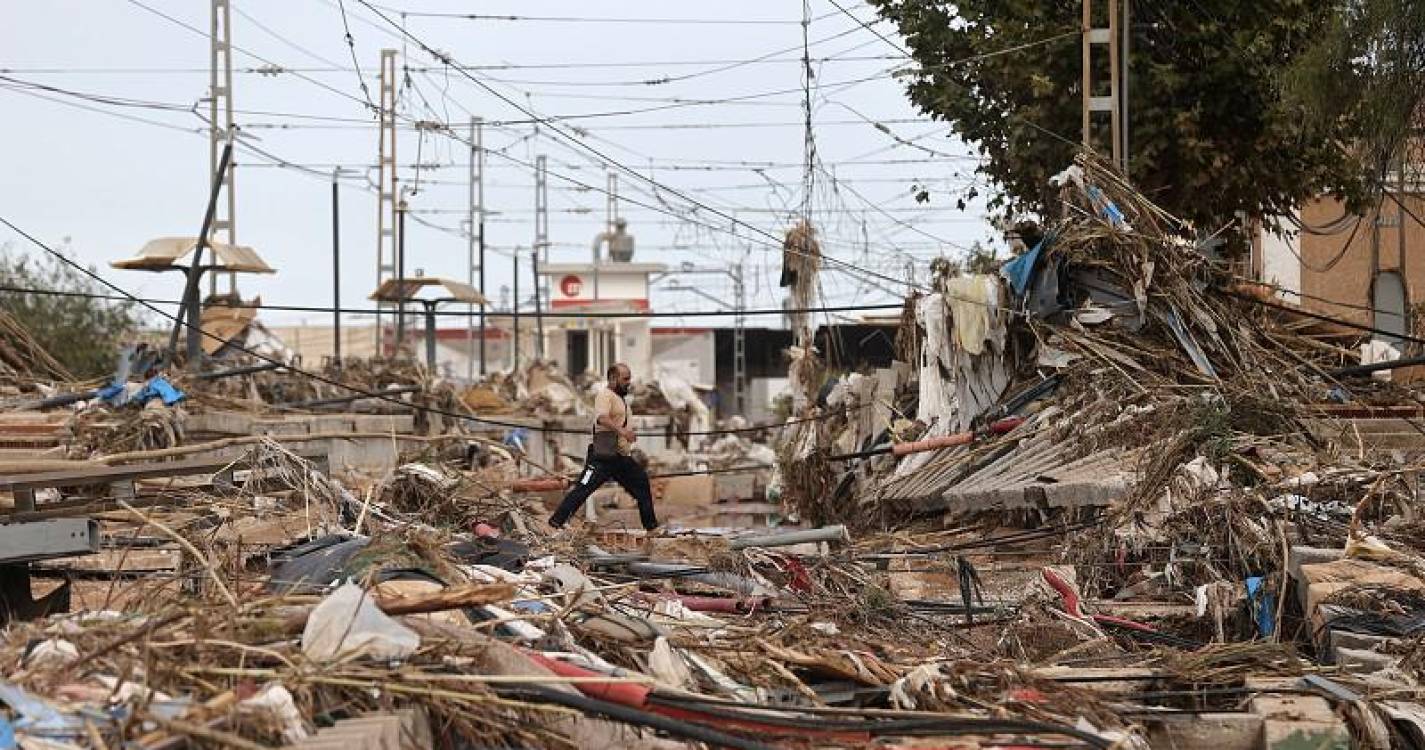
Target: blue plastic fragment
36, 715
1019, 272
1106, 207
159, 387
1264, 605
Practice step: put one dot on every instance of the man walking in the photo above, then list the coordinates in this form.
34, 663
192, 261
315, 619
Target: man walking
609, 455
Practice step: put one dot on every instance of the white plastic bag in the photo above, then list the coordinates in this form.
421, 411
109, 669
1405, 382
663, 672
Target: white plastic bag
348, 624
275, 703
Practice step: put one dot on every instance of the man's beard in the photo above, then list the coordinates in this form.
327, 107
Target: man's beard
621, 390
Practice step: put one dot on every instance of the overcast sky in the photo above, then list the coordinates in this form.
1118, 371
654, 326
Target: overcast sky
110, 177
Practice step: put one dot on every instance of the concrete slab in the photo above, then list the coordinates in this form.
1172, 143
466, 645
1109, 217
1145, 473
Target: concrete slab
1298, 722
1210, 731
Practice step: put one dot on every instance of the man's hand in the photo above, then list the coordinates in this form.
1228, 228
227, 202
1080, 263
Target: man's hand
629, 435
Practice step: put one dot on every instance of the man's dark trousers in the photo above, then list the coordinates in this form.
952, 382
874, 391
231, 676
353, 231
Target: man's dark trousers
622, 469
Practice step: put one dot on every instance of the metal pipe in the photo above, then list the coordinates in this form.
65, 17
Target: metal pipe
64, 399
400, 275
480, 221
515, 311
835, 533
1377, 367
430, 335
538, 306
235, 371
336, 268
929, 444
190, 286
720, 579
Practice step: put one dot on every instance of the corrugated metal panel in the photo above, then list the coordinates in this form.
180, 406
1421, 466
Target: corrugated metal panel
1032, 471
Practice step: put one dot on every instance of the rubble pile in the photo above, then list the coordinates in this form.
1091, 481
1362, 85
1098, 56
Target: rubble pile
1110, 497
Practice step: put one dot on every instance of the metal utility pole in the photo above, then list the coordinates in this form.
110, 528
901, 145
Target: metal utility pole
541, 243
476, 249
612, 209
739, 321
386, 186
541, 206
612, 219
1111, 104
336, 266
400, 273
739, 342
515, 313
191, 308
538, 307
220, 130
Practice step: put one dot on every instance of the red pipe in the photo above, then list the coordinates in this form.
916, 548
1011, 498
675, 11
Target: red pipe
1073, 606
999, 427
623, 693
734, 605
539, 484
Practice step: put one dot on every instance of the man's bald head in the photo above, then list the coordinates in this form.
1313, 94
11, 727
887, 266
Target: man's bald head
620, 378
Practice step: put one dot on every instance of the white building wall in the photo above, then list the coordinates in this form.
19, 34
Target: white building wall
634, 348
689, 356
1281, 263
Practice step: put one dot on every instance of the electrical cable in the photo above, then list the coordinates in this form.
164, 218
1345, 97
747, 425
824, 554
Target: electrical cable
959, 85
1331, 263
351, 47
284, 163
597, 19
449, 63
451, 313
446, 60
558, 130
185, 323
1328, 318
629, 715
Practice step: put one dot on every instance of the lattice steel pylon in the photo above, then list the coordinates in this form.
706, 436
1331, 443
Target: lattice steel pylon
739, 342
387, 187
1111, 104
220, 128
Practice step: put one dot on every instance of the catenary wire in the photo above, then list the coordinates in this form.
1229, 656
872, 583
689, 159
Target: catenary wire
446, 60
557, 129
449, 313
187, 324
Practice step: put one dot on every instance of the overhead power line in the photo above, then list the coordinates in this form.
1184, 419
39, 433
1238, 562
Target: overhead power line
558, 130
483, 67
188, 324
663, 21
718, 313
1016, 48
772, 239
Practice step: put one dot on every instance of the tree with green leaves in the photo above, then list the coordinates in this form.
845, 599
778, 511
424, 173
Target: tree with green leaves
82, 333
1210, 137
1362, 81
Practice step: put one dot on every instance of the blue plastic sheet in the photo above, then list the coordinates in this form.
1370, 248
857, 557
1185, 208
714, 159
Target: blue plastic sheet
1264, 605
159, 388
1020, 271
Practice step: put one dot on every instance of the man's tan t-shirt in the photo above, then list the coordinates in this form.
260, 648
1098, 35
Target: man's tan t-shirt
607, 403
